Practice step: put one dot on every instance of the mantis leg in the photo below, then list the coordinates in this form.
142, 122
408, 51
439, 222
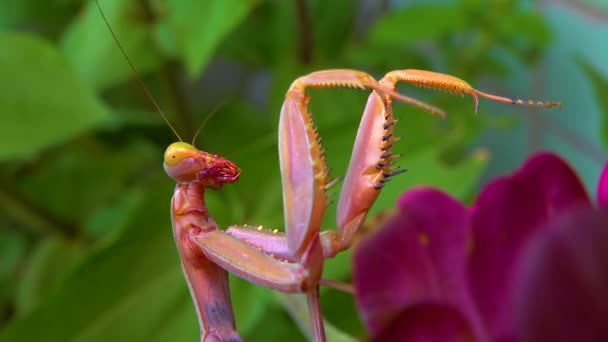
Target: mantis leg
249, 263
371, 163
252, 264
275, 243
304, 172
438, 81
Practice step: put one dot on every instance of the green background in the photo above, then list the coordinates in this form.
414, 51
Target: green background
86, 249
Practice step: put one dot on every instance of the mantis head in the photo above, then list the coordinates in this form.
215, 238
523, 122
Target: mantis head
185, 163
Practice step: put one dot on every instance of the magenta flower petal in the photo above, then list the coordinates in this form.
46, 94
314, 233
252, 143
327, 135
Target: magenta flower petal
419, 256
507, 213
563, 285
602, 188
428, 323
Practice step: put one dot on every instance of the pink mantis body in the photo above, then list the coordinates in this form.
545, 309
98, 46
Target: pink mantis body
291, 262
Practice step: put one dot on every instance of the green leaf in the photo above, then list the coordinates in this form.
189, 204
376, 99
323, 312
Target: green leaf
51, 261
109, 221
200, 26
418, 23
297, 307
235, 116
13, 13
600, 86
12, 250
251, 301
332, 23
43, 101
376, 56
45, 15
530, 28
276, 325
86, 178
264, 48
89, 45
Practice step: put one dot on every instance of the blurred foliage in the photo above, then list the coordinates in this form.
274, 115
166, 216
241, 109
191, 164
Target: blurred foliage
86, 249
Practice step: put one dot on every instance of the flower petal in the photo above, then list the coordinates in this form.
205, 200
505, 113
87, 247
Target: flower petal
507, 213
602, 188
563, 288
428, 323
418, 256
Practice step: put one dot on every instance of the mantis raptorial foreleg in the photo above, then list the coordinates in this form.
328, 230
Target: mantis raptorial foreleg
371, 163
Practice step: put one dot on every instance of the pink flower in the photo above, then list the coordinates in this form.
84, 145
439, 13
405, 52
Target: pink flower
529, 262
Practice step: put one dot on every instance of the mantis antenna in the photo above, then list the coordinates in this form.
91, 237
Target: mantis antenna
139, 80
209, 116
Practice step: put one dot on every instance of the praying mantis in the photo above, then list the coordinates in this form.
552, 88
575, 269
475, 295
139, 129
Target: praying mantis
292, 261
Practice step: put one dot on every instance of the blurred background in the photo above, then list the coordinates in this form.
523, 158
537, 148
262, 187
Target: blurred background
86, 248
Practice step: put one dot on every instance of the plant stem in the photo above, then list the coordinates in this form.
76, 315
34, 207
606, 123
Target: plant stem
305, 43
31, 217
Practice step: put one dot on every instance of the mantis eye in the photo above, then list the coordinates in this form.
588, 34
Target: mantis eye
178, 152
